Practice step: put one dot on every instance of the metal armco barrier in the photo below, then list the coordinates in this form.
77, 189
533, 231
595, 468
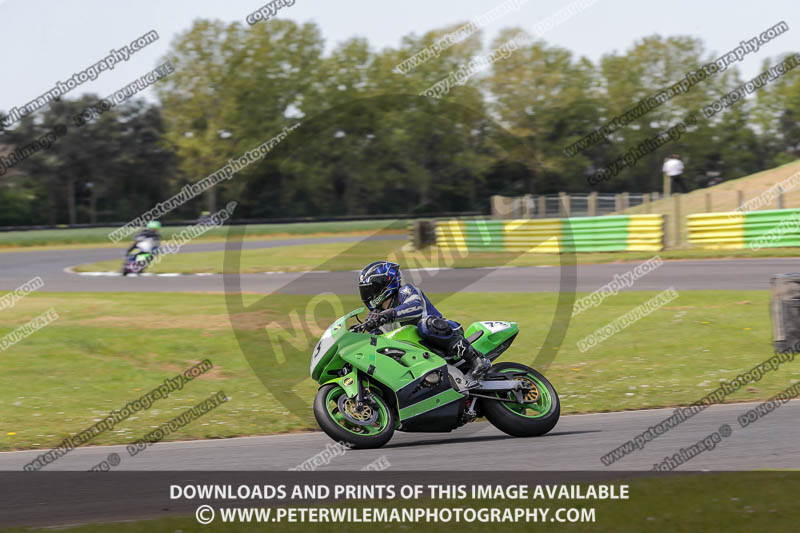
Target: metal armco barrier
616, 233
756, 229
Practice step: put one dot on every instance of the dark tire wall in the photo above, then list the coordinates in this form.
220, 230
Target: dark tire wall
517, 426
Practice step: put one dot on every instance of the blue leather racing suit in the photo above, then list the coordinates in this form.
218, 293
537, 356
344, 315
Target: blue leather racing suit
412, 307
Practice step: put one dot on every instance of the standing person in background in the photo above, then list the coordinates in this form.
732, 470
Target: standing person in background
673, 167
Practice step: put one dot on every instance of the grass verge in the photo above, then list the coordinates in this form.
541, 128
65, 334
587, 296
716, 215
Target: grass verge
108, 349
92, 237
353, 256
725, 196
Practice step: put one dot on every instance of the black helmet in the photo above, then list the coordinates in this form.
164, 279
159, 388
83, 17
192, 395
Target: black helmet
379, 281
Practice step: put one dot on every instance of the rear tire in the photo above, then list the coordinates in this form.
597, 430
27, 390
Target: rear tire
336, 427
510, 417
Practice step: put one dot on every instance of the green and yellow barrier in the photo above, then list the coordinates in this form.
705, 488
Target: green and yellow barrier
756, 229
616, 233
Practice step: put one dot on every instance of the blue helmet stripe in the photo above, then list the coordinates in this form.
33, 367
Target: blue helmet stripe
381, 268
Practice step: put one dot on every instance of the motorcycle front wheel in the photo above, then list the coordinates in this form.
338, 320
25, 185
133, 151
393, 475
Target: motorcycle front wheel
370, 427
538, 414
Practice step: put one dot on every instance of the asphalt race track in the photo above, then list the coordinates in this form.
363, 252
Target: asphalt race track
575, 444
744, 274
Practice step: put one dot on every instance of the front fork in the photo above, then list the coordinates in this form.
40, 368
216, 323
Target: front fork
356, 386
353, 385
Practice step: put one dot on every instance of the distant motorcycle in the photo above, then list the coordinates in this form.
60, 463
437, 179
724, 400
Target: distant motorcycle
139, 258
374, 383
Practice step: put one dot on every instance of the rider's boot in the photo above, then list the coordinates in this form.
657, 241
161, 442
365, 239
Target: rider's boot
480, 363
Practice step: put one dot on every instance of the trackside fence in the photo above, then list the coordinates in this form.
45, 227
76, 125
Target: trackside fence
734, 230
615, 233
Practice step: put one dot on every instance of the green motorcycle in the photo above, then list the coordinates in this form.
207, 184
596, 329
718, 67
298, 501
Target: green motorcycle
374, 383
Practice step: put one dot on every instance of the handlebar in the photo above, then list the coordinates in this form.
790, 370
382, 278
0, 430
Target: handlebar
363, 327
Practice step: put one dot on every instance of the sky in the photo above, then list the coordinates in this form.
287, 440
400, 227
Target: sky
44, 41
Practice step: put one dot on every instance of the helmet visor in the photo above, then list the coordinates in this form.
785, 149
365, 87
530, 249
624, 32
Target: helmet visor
371, 290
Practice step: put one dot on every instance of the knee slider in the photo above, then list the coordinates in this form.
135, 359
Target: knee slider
439, 326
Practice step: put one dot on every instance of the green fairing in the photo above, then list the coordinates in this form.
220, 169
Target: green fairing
400, 376
357, 350
342, 347
489, 341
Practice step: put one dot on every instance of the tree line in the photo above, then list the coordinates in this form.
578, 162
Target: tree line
369, 143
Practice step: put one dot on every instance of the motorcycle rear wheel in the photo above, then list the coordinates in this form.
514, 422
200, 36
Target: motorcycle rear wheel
538, 415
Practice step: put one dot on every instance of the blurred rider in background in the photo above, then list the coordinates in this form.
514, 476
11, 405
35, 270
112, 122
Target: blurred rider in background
147, 240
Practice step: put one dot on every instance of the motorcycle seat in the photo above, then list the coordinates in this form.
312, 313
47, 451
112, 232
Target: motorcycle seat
475, 336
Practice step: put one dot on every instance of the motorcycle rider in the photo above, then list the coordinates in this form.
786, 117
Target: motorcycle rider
393, 304
150, 232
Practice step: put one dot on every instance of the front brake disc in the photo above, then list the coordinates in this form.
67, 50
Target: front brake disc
366, 416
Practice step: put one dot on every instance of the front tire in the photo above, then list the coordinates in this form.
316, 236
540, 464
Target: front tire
531, 419
338, 425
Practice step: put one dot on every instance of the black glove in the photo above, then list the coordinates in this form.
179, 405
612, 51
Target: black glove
384, 317
377, 319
